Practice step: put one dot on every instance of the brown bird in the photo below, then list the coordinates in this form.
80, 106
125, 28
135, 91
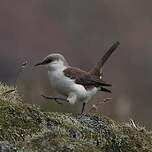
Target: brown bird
73, 83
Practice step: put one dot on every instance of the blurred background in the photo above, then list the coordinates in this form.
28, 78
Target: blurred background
82, 31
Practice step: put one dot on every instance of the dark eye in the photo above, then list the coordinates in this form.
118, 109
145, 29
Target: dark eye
47, 61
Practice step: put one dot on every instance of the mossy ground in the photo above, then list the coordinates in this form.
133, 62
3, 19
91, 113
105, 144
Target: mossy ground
26, 128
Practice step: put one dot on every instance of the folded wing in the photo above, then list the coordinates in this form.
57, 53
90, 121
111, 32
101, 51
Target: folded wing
84, 78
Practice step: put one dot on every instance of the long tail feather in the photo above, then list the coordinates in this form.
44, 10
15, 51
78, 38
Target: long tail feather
97, 69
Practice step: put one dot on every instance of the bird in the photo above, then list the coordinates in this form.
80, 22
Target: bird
75, 84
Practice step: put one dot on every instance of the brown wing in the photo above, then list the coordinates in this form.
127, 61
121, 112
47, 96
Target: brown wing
83, 77
97, 69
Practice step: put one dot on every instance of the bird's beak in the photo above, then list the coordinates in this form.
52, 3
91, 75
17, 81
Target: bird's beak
40, 63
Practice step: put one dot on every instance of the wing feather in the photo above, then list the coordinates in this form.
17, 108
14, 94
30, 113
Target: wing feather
83, 77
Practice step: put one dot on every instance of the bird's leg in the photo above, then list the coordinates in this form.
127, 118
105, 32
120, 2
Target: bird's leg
57, 99
83, 106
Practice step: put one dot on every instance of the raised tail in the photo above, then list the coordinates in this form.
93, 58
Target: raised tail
97, 69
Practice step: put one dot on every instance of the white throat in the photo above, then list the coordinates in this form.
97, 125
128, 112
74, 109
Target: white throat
56, 65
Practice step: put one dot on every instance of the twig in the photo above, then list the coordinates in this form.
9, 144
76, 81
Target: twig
95, 106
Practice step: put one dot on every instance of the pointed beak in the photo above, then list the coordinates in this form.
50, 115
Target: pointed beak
40, 63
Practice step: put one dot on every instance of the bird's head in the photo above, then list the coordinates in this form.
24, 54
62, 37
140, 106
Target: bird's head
53, 61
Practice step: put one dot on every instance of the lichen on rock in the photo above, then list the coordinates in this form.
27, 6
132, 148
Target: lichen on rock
25, 127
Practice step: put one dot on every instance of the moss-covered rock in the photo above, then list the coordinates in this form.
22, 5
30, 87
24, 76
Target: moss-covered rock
26, 128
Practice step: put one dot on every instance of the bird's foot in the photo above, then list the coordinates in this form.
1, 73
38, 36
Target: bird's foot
57, 99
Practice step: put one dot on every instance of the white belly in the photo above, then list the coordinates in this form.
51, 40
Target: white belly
92, 92
65, 85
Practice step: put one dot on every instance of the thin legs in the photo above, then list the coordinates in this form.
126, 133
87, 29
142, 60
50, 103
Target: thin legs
83, 106
57, 99
60, 100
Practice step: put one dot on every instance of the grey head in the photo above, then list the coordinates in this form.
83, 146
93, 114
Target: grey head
52, 58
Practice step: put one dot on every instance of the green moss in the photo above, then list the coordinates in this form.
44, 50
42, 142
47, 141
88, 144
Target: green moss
26, 128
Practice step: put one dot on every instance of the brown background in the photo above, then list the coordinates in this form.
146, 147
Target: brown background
82, 31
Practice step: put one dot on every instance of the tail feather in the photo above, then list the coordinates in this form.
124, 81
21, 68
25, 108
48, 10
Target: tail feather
105, 90
97, 69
